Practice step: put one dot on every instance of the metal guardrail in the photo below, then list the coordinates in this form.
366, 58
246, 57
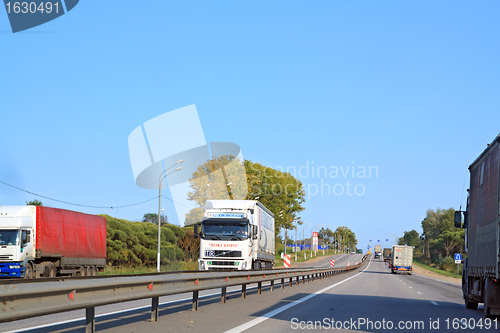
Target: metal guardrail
26, 300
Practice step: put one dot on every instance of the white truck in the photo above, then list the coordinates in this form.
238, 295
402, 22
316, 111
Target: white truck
236, 235
402, 259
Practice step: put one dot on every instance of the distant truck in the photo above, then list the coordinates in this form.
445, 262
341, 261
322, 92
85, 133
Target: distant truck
236, 235
481, 269
401, 259
359, 251
386, 254
38, 241
377, 252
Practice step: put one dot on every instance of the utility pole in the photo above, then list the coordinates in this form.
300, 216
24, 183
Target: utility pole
304, 242
295, 245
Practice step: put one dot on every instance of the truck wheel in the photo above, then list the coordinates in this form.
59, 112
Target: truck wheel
469, 304
487, 311
52, 270
28, 271
93, 271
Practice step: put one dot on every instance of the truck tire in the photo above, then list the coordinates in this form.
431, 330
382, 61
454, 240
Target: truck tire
93, 271
52, 270
469, 304
28, 271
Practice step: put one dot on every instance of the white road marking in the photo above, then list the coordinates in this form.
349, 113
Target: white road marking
418, 292
410, 287
273, 313
435, 303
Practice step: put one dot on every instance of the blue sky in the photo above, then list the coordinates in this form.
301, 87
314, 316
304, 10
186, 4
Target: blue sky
409, 88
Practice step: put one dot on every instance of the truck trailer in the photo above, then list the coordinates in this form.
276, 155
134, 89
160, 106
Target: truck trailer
377, 252
236, 235
37, 241
481, 268
401, 259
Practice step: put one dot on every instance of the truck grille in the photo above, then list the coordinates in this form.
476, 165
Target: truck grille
224, 263
223, 254
7, 257
221, 268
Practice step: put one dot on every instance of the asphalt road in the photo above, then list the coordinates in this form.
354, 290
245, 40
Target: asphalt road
367, 300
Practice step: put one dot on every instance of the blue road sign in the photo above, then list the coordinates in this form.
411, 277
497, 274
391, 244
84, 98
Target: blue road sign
458, 258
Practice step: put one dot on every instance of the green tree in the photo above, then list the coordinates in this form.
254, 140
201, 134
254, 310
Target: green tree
346, 238
279, 191
449, 241
439, 234
194, 216
410, 238
153, 218
326, 235
34, 203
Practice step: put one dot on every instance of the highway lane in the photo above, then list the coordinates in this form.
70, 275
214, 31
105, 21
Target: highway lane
377, 301
183, 301
372, 300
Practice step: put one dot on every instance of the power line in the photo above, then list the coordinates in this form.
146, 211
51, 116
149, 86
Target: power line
75, 204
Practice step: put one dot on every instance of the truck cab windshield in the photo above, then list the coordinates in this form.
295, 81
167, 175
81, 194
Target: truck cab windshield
230, 230
9, 237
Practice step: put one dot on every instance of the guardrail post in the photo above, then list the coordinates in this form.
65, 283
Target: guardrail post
195, 301
244, 291
223, 295
282, 283
154, 308
272, 285
90, 320
298, 281
290, 282
259, 287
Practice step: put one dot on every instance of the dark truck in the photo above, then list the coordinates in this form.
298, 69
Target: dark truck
386, 254
481, 222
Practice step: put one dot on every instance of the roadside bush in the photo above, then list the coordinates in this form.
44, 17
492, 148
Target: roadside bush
447, 264
133, 244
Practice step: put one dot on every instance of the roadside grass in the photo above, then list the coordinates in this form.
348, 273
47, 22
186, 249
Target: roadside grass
437, 270
172, 267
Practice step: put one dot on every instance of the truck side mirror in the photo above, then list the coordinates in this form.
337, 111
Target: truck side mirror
255, 232
195, 231
458, 219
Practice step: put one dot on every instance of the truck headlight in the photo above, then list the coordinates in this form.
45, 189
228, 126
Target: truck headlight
14, 266
244, 265
202, 265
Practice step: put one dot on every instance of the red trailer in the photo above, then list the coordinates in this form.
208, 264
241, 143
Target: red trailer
45, 242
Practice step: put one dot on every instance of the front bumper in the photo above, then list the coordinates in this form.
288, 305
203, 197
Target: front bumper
9, 269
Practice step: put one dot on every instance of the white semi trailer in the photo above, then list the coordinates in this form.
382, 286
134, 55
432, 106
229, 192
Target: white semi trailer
236, 235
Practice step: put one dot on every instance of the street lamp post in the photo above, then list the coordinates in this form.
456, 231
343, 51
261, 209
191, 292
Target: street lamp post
161, 178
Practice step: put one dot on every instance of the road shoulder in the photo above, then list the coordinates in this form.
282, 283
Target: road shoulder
422, 271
